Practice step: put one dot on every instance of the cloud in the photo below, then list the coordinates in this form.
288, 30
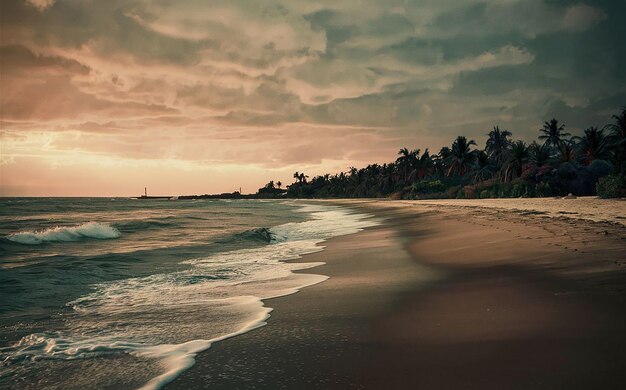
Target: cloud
41, 87
278, 83
40, 5
529, 18
582, 16
19, 60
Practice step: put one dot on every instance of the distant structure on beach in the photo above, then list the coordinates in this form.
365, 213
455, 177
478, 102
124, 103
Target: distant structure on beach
146, 197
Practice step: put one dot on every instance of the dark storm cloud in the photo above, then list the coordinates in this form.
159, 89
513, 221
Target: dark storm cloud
417, 71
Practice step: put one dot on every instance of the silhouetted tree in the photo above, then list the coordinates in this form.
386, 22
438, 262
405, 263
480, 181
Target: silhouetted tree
552, 133
567, 151
619, 126
517, 158
484, 167
594, 145
426, 165
539, 154
618, 140
498, 144
504, 168
407, 163
461, 158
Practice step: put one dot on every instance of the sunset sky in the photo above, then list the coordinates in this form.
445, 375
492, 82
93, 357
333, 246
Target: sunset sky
104, 97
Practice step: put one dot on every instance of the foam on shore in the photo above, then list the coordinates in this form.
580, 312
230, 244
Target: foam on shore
173, 316
94, 230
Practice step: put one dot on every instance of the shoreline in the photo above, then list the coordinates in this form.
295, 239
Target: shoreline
306, 316
499, 303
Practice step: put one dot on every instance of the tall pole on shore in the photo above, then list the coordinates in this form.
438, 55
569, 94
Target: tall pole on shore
145, 191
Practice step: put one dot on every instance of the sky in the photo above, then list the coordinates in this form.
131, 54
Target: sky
102, 98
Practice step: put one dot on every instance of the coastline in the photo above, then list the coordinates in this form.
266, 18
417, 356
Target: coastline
442, 298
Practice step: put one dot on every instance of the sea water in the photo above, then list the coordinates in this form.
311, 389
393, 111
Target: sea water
98, 293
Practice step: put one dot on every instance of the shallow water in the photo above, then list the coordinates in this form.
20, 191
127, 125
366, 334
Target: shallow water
124, 293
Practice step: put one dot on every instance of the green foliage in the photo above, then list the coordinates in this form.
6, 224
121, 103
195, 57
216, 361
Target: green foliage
428, 186
516, 191
612, 186
270, 191
453, 192
556, 165
469, 192
543, 189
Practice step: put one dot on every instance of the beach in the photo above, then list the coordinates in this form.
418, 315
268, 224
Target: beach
312, 195
445, 295
121, 293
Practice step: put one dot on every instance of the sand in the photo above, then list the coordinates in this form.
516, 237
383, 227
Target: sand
443, 297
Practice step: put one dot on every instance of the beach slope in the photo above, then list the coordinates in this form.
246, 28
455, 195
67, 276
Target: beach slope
442, 297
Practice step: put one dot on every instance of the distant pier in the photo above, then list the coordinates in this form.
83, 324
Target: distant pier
146, 197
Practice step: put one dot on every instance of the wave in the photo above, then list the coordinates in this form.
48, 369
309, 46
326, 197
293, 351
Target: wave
140, 225
171, 317
176, 358
95, 230
263, 235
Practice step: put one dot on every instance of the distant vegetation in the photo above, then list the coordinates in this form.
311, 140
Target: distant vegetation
555, 165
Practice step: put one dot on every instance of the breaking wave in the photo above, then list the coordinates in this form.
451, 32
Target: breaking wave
172, 316
261, 235
95, 230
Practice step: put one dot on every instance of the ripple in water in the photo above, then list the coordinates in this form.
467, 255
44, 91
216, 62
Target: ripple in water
169, 317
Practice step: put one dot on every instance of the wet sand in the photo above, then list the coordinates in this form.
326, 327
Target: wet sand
443, 298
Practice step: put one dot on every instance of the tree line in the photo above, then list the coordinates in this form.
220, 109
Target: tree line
556, 164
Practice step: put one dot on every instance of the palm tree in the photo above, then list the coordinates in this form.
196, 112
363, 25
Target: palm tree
498, 144
279, 184
444, 152
426, 165
484, 167
552, 133
517, 158
619, 127
539, 154
441, 160
300, 177
594, 145
461, 158
403, 153
407, 163
618, 140
567, 151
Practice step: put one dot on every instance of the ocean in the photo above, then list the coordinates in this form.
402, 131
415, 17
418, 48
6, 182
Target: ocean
123, 293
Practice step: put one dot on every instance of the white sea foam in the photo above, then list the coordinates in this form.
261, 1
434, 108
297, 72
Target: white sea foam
173, 316
177, 358
66, 234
